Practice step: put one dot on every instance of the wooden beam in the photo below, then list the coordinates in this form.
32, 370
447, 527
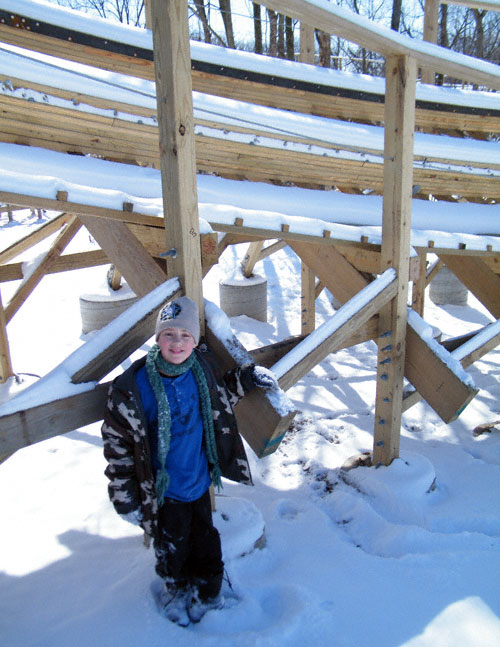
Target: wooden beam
27, 286
33, 238
431, 25
478, 278
351, 27
264, 438
138, 268
401, 78
177, 144
332, 334
251, 257
98, 365
307, 299
24, 428
418, 287
6, 370
77, 209
307, 44
340, 277
439, 385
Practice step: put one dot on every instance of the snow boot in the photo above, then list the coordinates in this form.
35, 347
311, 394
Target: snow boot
198, 608
172, 603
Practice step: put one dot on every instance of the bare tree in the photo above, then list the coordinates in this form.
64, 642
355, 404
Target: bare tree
257, 28
227, 19
396, 14
130, 12
203, 18
273, 32
325, 48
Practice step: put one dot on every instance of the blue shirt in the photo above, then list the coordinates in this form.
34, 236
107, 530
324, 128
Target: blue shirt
186, 461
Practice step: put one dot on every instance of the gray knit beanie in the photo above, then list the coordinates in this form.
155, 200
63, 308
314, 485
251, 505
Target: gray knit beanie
179, 313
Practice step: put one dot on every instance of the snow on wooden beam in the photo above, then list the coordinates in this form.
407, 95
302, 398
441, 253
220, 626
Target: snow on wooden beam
333, 333
263, 417
358, 29
42, 409
441, 379
467, 349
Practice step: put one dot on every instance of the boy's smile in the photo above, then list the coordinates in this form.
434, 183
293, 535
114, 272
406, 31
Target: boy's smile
176, 344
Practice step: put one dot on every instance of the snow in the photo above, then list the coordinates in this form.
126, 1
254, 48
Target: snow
401, 555
406, 555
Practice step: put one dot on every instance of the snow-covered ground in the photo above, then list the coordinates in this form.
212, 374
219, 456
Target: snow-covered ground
405, 555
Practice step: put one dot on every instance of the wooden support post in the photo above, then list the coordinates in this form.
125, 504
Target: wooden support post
177, 144
251, 257
431, 24
308, 300
401, 77
418, 287
147, 9
306, 54
5, 360
27, 286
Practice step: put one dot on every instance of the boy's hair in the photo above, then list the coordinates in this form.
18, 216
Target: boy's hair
179, 313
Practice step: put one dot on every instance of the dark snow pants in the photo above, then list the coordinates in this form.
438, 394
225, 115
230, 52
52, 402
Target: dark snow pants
188, 549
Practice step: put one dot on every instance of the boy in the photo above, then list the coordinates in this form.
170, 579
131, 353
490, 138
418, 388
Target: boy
169, 431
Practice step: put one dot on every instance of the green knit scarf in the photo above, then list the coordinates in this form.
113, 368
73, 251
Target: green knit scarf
155, 365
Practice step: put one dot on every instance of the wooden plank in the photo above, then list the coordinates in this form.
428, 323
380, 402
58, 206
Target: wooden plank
251, 257
77, 209
478, 278
269, 355
328, 264
64, 263
223, 81
33, 238
27, 286
431, 26
418, 288
401, 73
350, 316
45, 421
264, 438
98, 365
307, 299
138, 268
177, 144
6, 369
307, 44
347, 25
446, 393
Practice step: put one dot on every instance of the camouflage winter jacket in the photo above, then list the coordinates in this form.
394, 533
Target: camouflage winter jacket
131, 485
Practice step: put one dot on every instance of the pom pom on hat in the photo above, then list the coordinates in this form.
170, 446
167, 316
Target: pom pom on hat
179, 313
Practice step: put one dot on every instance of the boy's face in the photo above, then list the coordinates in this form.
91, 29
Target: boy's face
176, 344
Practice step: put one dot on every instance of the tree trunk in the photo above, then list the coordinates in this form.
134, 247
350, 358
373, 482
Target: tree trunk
396, 14
479, 15
202, 15
281, 35
325, 48
273, 32
290, 41
225, 9
442, 36
257, 28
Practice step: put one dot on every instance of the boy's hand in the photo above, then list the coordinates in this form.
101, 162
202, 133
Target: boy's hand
264, 378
